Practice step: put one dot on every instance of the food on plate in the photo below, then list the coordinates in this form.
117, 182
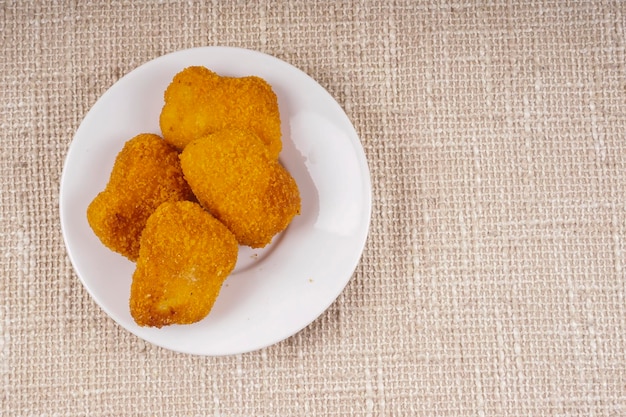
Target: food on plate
185, 256
145, 174
236, 178
199, 102
180, 205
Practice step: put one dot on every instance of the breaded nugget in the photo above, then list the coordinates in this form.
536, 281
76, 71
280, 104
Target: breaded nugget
234, 177
185, 256
199, 102
146, 173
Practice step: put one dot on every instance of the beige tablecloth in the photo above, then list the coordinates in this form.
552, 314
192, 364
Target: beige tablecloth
493, 280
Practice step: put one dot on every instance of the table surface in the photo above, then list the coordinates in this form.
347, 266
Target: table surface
493, 279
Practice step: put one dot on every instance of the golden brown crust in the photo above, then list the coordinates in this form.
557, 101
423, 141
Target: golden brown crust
185, 256
199, 102
146, 173
234, 177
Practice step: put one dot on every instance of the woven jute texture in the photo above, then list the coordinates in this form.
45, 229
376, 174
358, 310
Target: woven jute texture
493, 280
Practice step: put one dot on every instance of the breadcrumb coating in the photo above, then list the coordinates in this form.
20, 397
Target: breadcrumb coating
185, 256
199, 102
145, 174
233, 175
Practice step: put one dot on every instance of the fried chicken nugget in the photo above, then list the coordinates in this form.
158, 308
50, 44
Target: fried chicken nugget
199, 102
185, 256
233, 175
145, 174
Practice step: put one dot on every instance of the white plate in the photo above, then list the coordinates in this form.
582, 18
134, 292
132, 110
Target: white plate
272, 293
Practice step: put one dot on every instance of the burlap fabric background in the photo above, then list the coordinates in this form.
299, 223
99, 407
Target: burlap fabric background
493, 282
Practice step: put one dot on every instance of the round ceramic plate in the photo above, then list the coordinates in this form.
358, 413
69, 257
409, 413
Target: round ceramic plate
275, 292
